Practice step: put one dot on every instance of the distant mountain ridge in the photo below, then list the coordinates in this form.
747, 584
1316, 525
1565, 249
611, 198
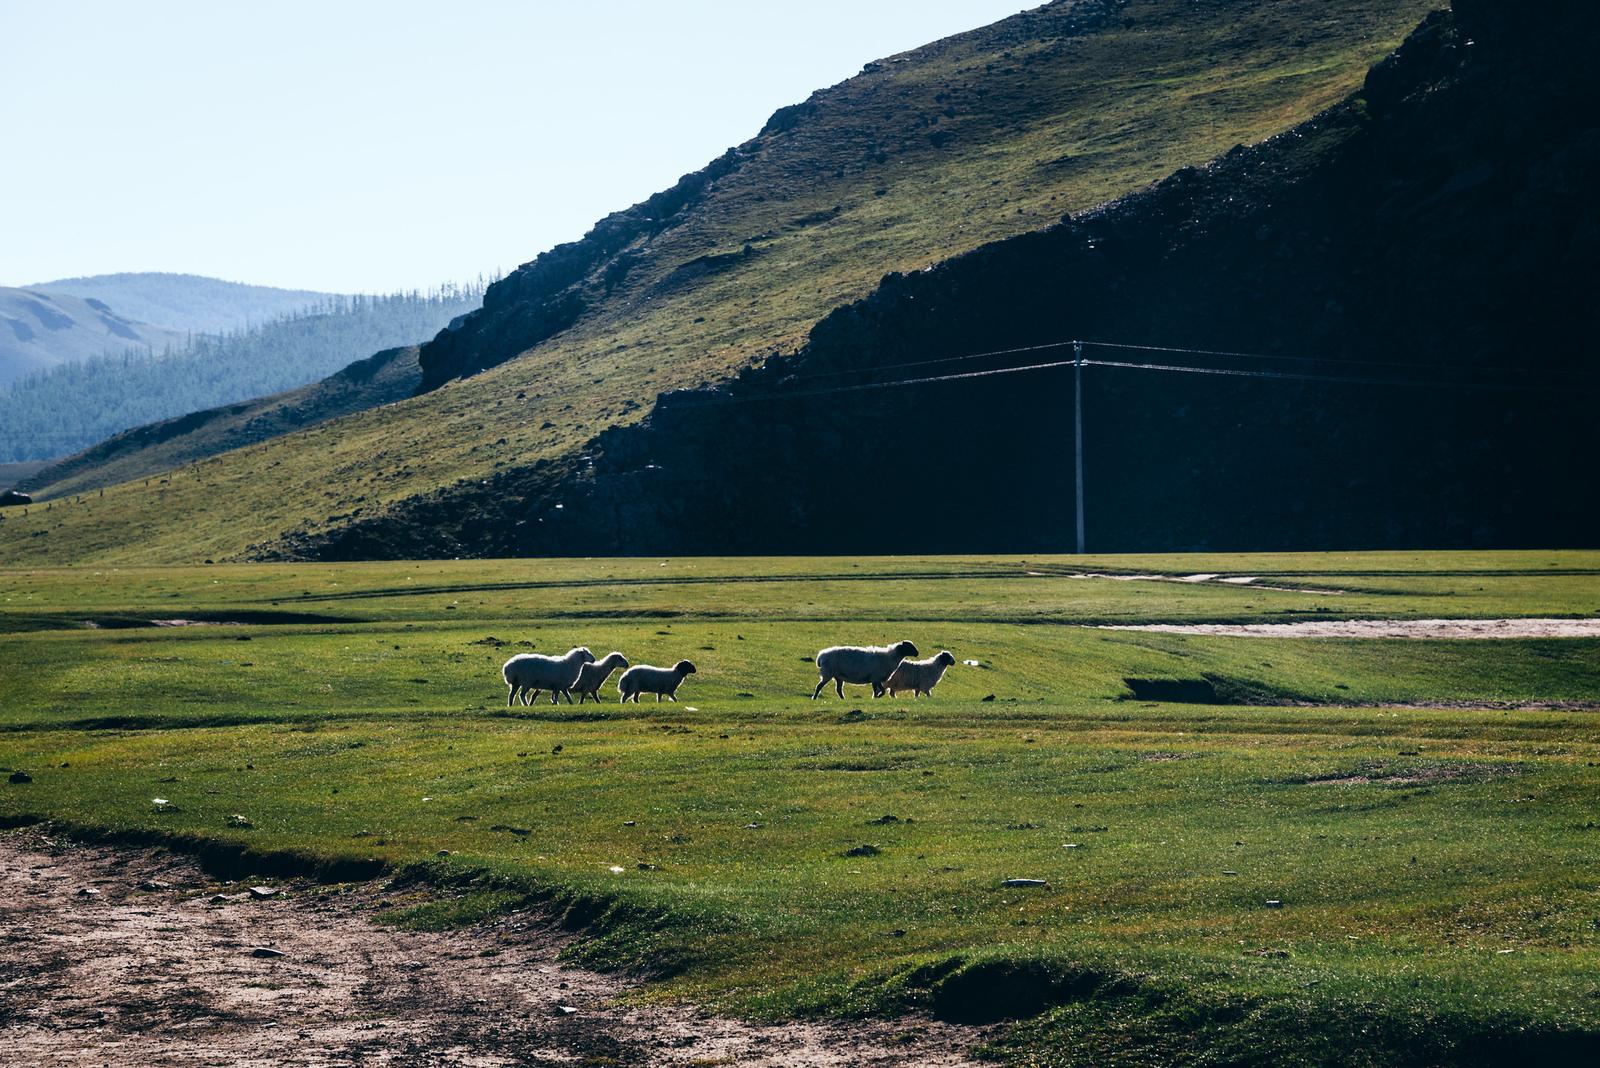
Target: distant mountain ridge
186, 302
39, 329
60, 410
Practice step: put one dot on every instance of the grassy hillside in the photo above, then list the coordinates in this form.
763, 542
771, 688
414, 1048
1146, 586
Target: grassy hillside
1374, 855
925, 156
187, 303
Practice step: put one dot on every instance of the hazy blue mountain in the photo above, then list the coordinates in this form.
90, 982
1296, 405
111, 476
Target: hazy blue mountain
62, 409
186, 302
39, 330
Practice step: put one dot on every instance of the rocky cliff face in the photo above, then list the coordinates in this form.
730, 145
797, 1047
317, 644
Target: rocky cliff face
1439, 226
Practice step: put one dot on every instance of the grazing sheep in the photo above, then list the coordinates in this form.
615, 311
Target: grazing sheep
659, 681
919, 676
859, 665
592, 676
529, 673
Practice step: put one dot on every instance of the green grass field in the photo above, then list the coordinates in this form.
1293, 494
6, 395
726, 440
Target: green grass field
1439, 904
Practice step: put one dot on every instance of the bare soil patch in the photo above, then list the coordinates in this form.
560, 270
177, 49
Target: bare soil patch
120, 956
1207, 578
1384, 628
1415, 774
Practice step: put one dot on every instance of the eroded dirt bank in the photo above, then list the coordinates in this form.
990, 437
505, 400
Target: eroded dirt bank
123, 957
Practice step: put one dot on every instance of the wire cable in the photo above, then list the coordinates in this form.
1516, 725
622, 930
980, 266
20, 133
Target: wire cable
1341, 379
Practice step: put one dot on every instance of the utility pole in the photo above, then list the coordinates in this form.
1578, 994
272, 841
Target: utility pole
1077, 431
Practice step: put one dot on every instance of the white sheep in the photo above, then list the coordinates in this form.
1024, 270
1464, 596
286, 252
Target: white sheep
919, 676
529, 673
860, 665
592, 676
659, 681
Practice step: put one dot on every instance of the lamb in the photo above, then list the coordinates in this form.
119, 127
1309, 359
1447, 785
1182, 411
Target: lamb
592, 676
529, 673
659, 681
860, 665
919, 676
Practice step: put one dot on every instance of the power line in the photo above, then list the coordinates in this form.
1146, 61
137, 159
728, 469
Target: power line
1339, 360
1130, 365
1220, 353
1338, 379
928, 363
860, 387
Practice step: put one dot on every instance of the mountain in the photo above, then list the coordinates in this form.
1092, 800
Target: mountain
1408, 275
186, 303
922, 157
39, 329
69, 407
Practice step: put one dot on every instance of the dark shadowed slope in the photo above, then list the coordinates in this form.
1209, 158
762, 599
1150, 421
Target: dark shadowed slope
1437, 227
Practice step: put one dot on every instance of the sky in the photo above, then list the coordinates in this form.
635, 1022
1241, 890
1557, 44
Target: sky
357, 146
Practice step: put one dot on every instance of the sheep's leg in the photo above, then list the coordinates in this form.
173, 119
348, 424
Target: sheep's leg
672, 695
568, 694
511, 691
838, 686
820, 684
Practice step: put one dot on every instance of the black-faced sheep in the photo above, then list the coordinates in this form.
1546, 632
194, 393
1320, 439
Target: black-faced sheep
859, 665
593, 676
663, 682
919, 676
529, 673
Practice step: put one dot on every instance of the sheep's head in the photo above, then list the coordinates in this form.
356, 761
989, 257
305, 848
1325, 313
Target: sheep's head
616, 660
581, 653
945, 658
903, 649
683, 667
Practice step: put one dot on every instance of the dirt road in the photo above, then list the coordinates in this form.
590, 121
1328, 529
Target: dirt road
122, 957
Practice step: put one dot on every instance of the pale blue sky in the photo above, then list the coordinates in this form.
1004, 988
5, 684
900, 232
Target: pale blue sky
370, 146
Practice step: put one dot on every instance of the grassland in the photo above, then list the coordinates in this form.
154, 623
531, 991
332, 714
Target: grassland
1422, 810
1029, 128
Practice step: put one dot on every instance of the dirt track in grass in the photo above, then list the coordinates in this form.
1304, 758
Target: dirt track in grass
145, 968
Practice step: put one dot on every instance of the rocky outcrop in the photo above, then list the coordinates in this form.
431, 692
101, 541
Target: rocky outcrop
1437, 227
